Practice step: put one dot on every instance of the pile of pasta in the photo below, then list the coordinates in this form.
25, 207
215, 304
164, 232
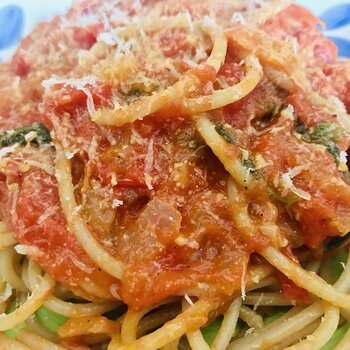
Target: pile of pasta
174, 176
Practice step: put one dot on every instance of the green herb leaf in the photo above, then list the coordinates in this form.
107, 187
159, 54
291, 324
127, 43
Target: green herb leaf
333, 149
210, 332
18, 135
50, 319
289, 200
326, 131
248, 163
336, 337
272, 109
325, 134
222, 131
135, 92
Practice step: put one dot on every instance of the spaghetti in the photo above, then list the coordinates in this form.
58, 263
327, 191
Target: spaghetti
174, 176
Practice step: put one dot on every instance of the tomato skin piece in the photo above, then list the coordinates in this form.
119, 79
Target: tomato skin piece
204, 73
19, 66
301, 15
297, 22
307, 113
87, 37
69, 98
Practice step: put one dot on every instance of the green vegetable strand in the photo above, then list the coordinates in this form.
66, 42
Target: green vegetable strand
335, 265
209, 333
336, 337
12, 332
50, 319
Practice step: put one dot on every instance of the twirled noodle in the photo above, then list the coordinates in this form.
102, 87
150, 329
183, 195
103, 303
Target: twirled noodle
141, 108
195, 337
196, 340
303, 278
10, 344
156, 319
36, 342
323, 333
228, 154
295, 337
228, 326
150, 104
191, 319
34, 325
30, 274
132, 319
8, 258
266, 299
74, 310
283, 67
251, 318
89, 326
264, 338
172, 345
130, 323
38, 296
6, 240
76, 224
221, 98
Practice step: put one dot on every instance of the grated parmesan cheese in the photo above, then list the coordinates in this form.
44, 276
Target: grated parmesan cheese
148, 181
50, 211
237, 17
117, 203
249, 331
28, 250
6, 150
6, 292
288, 183
79, 84
209, 21
113, 38
343, 157
243, 281
189, 20
149, 164
188, 299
